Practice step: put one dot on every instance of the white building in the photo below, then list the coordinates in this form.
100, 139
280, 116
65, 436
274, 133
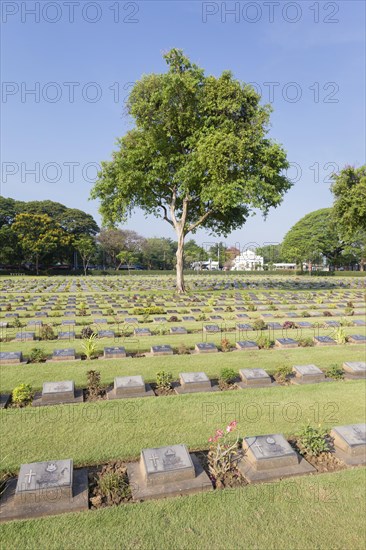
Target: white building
248, 260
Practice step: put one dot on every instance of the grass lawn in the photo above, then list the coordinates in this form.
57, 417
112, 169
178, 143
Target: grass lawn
36, 374
91, 433
315, 512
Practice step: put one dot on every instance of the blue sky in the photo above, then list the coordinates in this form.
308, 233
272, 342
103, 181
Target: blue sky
307, 58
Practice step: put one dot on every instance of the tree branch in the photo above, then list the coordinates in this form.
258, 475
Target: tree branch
165, 217
199, 221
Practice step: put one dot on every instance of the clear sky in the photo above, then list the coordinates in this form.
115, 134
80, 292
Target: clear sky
80, 58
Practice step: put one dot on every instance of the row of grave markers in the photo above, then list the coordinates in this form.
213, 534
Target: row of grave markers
55, 487
56, 393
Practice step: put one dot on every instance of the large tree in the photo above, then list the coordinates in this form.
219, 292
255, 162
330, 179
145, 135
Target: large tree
349, 190
313, 236
198, 156
113, 241
38, 235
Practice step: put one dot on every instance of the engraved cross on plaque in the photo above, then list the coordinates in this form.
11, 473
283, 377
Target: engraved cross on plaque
154, 459
29, 476
259, 447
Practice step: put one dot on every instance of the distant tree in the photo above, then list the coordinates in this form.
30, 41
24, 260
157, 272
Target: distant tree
10, 250
313, 236
38, 235
271, 253
158, 253
349, 190
194, 253
128, 258
86, 248
113, 241
199, 155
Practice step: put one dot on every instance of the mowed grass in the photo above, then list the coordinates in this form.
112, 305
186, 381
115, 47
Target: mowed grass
36, 374
315, 512
92, 433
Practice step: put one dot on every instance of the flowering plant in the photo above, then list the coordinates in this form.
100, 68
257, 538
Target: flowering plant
223, 453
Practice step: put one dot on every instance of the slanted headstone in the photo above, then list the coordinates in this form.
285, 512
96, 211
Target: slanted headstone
355, 369
191, 382
67, 354
254, 378
161, 350
244, 345
45, 488
178, 330
303, 324
24, 336
188, 318
244, 326
56, 393
274, 326
116, 352
142, 332
166, 471
286, 343
323, 341
205, 347
66, 335
307, 374
269, 457
10, 357
128, 387
211, 328
357, 339
106, 334
350, 443
359, 323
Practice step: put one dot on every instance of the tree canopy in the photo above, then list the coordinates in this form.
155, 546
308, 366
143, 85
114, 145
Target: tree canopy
198, 156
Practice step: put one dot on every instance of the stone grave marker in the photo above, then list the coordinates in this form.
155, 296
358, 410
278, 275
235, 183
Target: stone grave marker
274, 326
244, 326
188, 318
323, 341
254, 378
142, 332
307, 374
178, 330
211, 328
66, 335
24, 336
355, 369
131, 320
350, 443
359, 323
270, 457
357, 339
286, 343
205, 347
56, 393
10, 357
43, 489
106, 334
114, 352
160, 319
304, 324
244, 345
128, 387
67, 354
161, 350
192, 382
167, 471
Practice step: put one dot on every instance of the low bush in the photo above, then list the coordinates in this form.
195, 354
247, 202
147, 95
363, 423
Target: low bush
164, 380
37, 355
313, 440
22, 394
227, 375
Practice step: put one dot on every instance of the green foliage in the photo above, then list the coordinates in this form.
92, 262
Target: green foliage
89, 346
259, 324
215, 165
314, 235
152, 310
46, 332
283, 372
225, 345
87, 332
339, 335
37, 355
113, 487
22, 394
264, 342
335, 371
313, 440
164, 380
227, 375
223, 454
305, 342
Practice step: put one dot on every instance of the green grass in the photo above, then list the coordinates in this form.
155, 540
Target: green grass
95, 432
36, 374
315, 512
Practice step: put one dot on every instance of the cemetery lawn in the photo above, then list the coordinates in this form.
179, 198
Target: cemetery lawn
322, 512
95, 432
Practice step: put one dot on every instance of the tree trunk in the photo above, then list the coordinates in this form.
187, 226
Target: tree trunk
179, 254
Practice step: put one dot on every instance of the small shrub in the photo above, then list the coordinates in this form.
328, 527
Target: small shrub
151, 310
87, 332
8, 307
183, 349
350, 305
228, 309
263, 342
282, 372
89, 346
251, 307
202, 317
313, 440
223, 454
22, 394
349, 311
305, 314
17, 323
327, 314
113, 487
173, 319
94, 386
305, 342
345, 322
259, 324
225, 345
227, 375
335, 372
289, 324
37, 355
164, 380
339, 335
47, 333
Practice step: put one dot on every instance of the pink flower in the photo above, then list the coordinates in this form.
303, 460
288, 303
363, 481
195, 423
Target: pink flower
231, 426
210, 440
219, 433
